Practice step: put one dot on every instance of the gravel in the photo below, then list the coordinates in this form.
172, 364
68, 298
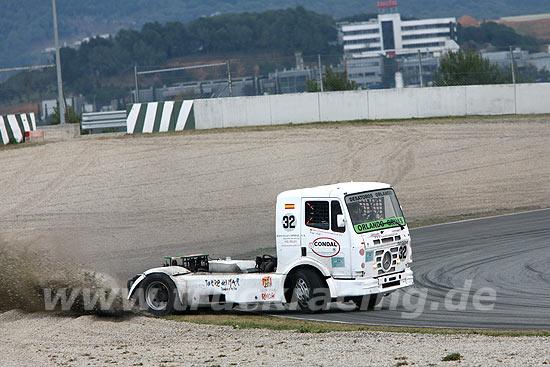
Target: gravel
38, 339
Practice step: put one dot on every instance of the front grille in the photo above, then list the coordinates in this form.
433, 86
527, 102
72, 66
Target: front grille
394, 253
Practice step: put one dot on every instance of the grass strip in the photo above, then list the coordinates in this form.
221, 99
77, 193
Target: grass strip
239, 320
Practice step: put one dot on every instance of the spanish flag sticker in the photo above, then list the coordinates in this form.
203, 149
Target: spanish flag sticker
289, 206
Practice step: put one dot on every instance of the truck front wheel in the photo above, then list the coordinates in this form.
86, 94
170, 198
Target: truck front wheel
158, 294
309, 291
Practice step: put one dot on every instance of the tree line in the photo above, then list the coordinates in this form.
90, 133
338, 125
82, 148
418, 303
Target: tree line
494, 35
90, 69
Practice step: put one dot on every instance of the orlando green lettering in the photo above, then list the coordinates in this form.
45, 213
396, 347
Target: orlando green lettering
378, 224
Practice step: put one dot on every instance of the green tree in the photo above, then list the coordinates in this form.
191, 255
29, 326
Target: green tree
332, 82
71, 117
497, 35
312, 86
468, 68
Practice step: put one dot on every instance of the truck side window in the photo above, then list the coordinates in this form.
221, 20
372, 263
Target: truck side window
316, 214
335, 209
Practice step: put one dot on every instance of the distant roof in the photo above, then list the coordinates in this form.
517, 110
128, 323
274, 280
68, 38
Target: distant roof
468, 21
526, 18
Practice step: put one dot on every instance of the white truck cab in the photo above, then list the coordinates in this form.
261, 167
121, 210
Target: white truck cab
346, 241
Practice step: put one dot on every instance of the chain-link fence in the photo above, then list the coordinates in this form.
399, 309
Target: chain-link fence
496, 68
225, 77
501, 76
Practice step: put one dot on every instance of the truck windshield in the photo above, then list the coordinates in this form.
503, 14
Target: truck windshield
374, 210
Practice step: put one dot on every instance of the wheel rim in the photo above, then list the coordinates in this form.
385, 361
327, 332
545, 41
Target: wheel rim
302, 291
157, 295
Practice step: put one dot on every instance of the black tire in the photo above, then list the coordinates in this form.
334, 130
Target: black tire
158, 294
366, 302
309, 291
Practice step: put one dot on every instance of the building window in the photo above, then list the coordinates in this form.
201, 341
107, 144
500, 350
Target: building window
364, 49
363, 64
387, 35
361, 41
363, 31
361, 75
425, 45
424, 26
426, 35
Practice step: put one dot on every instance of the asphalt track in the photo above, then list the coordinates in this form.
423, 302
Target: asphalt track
509, 254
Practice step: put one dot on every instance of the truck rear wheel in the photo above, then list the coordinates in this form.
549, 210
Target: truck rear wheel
309, 291
158, 294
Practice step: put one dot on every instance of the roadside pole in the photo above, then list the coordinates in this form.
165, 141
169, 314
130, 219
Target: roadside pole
229, 82
512, 66
60, 93
320, 72
420, 69
136, 98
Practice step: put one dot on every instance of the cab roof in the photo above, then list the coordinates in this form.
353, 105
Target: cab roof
339, 189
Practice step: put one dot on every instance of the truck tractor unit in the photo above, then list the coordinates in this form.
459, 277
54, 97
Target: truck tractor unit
347, 241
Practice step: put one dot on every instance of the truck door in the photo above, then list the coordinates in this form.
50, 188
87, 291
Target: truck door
321, 237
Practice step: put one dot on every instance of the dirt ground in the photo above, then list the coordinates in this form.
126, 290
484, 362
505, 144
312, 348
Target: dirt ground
117, 205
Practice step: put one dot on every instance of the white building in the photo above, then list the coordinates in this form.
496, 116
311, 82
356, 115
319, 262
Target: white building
389, 35
369, 46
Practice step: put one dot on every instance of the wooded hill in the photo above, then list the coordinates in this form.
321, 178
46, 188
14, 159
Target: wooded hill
26, 25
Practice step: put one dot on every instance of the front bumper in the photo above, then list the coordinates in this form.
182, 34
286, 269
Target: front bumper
360, 287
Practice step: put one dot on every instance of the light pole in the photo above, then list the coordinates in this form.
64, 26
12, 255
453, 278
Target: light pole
136, 97
60, 96
421, 77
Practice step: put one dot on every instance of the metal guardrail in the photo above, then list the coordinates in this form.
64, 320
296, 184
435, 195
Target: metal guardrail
103, 120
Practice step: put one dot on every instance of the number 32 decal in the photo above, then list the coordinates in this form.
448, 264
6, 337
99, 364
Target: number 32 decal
289, 222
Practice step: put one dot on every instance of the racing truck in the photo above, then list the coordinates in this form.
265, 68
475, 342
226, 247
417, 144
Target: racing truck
341, 242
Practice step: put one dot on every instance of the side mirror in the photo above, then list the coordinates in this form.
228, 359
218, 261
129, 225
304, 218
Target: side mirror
340, 220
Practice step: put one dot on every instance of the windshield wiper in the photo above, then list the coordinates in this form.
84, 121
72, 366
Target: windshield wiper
395, 221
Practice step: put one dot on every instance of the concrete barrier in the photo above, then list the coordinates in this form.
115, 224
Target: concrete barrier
296, 108
234, 112
338, 106
369, 104
208, 113
14, 127
160, 117
246, 111
532, 98
393, 103
490, 100
61, 132
443, 101
258, 111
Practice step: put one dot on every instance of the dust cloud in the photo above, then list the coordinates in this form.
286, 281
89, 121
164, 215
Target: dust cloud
39, 275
